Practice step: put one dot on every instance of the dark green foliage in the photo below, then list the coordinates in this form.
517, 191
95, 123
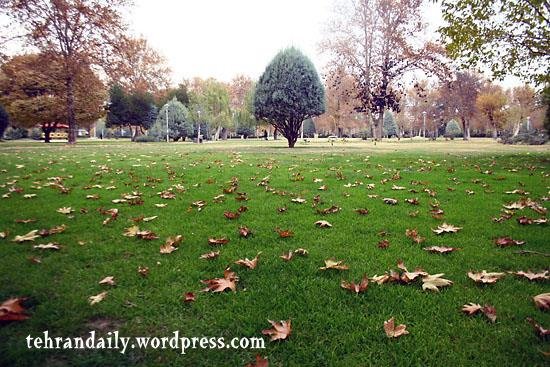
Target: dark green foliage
507, 36
4, 121
145, 139
35, 133
140, 109
14, 133
181, 93
289, 92
179, 125
309, 128
117, 110
390, 127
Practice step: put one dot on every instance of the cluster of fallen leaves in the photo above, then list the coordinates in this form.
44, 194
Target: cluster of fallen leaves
12, 310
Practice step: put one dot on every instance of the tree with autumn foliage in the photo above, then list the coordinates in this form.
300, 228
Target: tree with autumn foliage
80, 34
378, 42
460, 95
33, 90
288, 92
490, 103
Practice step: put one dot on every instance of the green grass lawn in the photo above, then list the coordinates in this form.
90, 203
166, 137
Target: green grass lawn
330, 326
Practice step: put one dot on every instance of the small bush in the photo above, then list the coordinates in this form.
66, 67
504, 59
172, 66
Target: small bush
14, 133
35, 134
145, 139
529, 138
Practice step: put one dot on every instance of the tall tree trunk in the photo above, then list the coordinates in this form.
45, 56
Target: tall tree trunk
47, 131
217, 134
71, 118
223, 133
495, 131
275, 134
378, 125
516, 128
465, 129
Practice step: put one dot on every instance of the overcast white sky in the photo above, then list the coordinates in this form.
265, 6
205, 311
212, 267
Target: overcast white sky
221, 38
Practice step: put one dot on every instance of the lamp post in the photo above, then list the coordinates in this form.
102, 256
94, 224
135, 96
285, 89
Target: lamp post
424, 124
167, 135
199, 128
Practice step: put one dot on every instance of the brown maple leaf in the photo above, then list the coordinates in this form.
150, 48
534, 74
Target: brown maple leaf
301, 252
210, 255
189, 297
541, 332
440, 249
542, 301
280, 330
334, 264
287, 256
432, 282
542, 275
244, 231
260, 362
383, 244
412, 201
362, 211
229, 281
284, 233
12, 310
231, 215
110, 280
30, 236
250, 264
143, 271
393, 331
323, 224
446, 228
485, 277
357, 288
218, 241
97, 298
390, 201
330, 210
507, 241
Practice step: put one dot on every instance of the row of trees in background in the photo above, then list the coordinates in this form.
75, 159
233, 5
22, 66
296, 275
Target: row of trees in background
88, 66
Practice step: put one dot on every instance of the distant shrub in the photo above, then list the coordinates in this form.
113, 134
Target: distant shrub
35, 134
453, 130
146, 139
527, 138
14, 133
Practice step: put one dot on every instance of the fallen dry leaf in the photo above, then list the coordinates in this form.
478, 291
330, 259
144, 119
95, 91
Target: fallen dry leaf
287, 256
323, 224
65, 210
446, 228
260, 362
362, 211
110, 280
393, 331
97, 298
12, 310
189, 297
218, 241
301, 252
485, 277
284, 233
440, 249
143, 271
357, 288
488, 310
244, 231
333, 264
279, 331
542, 301
507, 241
31, 236
541, 332
543, 275
48, 246
210, 255
231, 215
432, 282
228, 281
250, 264
390, 201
